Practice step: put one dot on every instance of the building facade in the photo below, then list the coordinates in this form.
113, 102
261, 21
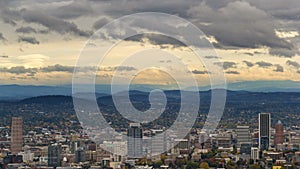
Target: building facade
279, 134
135, 140
264, 131
54, 155
243, 135
16, 135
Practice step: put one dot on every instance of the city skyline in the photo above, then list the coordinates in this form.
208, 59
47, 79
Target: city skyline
189, 84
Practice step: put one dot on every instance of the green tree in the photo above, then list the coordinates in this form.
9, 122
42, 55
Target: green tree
192, 165
157, 164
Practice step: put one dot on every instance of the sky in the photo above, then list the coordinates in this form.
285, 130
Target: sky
41, 40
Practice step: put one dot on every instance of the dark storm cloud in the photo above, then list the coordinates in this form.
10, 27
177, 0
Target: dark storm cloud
26, 30
241, 24
233, 72
293, 64
10, 16
231, 27
71, 11
31, 40
249, 64
53, 23
278, 68
56, 24
291, 14
9, 21
288, 9
264, 64
156, 39
99, 23
283, 52
226, 65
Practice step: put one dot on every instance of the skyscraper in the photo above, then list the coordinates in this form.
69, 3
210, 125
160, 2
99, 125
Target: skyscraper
279, 134
243, 135
158, 142
16, 135
54, 155
264, 131
202, 139
135, 140
80, 155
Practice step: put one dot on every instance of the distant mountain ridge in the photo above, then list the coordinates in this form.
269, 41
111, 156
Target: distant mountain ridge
174, 96
19, 92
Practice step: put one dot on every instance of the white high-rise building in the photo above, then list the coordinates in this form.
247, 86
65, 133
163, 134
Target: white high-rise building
243, 135
254, 153
158, 142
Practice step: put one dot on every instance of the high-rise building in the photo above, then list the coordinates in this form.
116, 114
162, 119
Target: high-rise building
54, 155
264, 131
224, 140
202, 139
135, 140
158, 142
279, 134
16, 135
243, 135
74, 146
80, 155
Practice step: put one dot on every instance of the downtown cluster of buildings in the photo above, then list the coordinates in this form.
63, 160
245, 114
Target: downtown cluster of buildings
242, 147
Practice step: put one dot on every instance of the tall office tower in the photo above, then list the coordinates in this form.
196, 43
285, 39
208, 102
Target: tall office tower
54, 155
16, 135
158, 142
264, 131
243, 135
135, 140
80, 155
202, 139
279, 134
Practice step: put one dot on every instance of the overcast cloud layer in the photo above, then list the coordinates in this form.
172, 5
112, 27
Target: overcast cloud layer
248, 24
273, 25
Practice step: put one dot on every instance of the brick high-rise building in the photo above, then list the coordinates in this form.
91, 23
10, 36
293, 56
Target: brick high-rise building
16, 135
279, 134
